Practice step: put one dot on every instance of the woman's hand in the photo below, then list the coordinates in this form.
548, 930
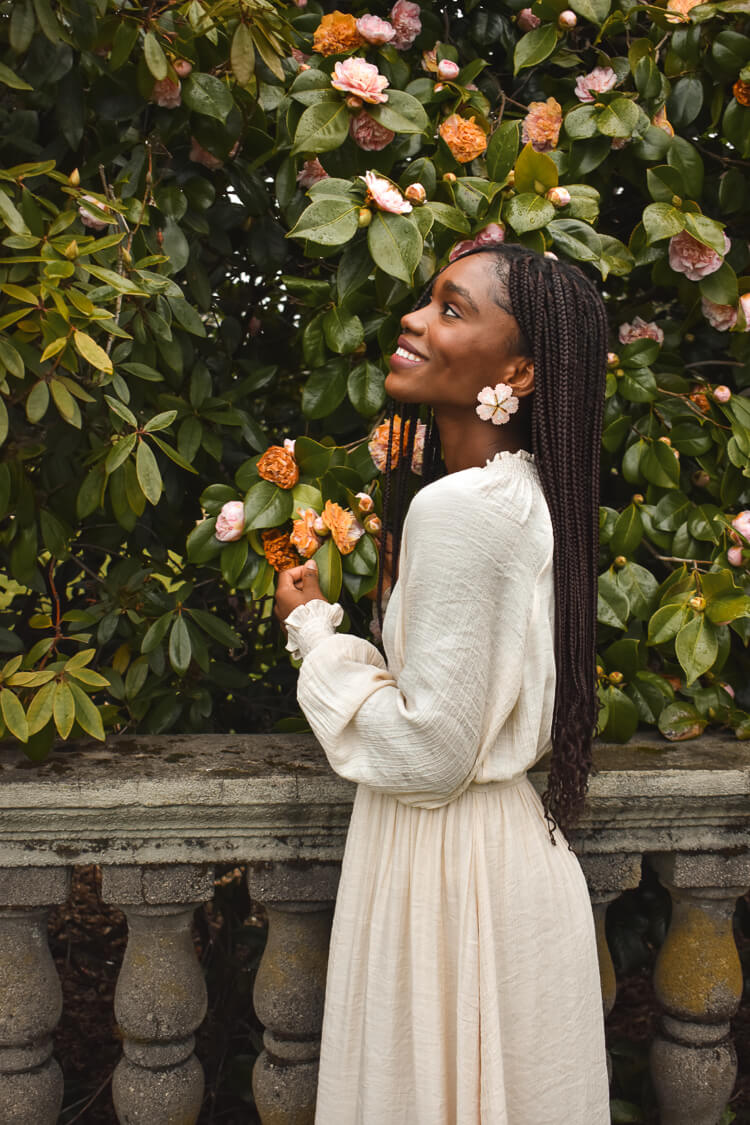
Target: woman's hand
297, 586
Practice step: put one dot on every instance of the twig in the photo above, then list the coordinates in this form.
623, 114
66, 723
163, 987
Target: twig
93, 1098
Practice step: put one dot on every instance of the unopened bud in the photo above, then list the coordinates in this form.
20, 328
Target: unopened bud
734, 555
698, 603
612, 359
510, 179
416, 194
438, 87
182, 67
449, 177
373, 525
320, 527
127, 257
558, 196
620, 562
665, 440
615, 677
354, 102
599, 670
637, 497
567, 19
448, 69
619, 372
722, 393
365, 502
701, 478
676, 201
74, 179
365, 217
71, 251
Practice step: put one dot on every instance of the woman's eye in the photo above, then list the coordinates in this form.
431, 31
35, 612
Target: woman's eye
448, 310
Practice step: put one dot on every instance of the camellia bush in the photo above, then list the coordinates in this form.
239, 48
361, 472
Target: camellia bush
213, 216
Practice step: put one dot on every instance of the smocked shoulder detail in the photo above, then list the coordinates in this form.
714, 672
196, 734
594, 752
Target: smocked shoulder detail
311, 623
521, 455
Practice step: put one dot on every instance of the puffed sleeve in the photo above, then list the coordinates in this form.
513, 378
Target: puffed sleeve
465, 596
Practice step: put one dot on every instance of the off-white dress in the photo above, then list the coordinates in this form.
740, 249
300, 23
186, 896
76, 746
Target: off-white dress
463, 985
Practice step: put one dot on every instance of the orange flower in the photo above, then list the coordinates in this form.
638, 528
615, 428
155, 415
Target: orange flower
378, 445
541, 125
278, 549
741, 91
303, 536
700, 398
337, 34
278, 465
679, 9
463, 137
345, 530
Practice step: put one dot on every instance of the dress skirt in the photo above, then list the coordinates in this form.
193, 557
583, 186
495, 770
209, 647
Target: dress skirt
463, 984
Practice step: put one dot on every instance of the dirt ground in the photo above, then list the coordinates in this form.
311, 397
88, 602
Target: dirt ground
88, 940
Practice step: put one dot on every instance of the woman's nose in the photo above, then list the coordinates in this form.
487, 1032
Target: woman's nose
414, 322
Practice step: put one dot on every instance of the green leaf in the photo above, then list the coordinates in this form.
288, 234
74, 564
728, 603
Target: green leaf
660, 466
267, 505
147, 470
528, 211
156, 60
640, 587
216, 628
722, 610
40, 708
661, 220
324, 390
66, 405
679, 721
329, 569
580, 123
343, 330
12, 217
687, 160
312, 457
534, 47
156, 632
322, 127
578, 240
160, 421
622, 715
596, 11
402, 113
449, 217
206, 94
395, 245
64, 709
328, 222
366, 389
619, 119
10, 78
502, 150
666, 623
14, 715
22, 24
180, 648
613, 605
87, 714
242, 54
696, 647
535, 171
628, 531
92, 353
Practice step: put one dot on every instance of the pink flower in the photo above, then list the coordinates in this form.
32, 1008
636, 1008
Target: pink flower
375, 30
385, 195
299, 56
230, 522
182, 68
461, 247
526, 20
541, 125
406, 23
734, 555
741, 524
567, 19
745, 306
496, 404
311, 172
167, 94
447, 69
358, 77
491, 235
289, 444
689, 256
640, 330
200, 155
368, 133
88, 214
598, 81
416, 193
558, 196
722, 393
720, 317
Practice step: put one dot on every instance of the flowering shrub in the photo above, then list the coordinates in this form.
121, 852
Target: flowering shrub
213, 217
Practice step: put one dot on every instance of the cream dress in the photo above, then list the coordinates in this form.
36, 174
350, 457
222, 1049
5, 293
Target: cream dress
463, 985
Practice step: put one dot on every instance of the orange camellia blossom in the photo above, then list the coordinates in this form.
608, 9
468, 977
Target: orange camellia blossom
378, 445
345, 528
303, 535
279, 466
541, 125
678, 10
337, 34
278, 549
464, 137
741, 91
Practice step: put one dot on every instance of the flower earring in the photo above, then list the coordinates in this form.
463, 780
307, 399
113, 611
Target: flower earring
496, 404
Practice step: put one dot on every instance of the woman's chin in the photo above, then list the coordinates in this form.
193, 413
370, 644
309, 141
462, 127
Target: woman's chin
401, 389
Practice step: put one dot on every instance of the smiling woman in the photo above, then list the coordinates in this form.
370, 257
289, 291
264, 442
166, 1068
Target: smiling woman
448, 999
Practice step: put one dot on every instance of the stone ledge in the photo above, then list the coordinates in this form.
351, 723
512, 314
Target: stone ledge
232, 798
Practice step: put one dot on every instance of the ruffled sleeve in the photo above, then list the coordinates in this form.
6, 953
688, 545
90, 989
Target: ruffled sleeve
311, 623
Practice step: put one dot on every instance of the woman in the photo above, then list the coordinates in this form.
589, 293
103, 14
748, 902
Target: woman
463, 985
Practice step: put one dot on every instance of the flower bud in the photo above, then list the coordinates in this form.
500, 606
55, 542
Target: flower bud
365, 502
448, 69
665, 439
637, 497
734, 555
727, 688
600, 671
619, 372
620, 562
449, 177
698, 603
373, 525
182, 67
353, 102
526, 20
567, 19
71, 251
558, 196
438, 87
510, 179
549, 254
722, 393
700, 478
320, 527
612, 359
365, 217
74, 179
416, 194
615, 677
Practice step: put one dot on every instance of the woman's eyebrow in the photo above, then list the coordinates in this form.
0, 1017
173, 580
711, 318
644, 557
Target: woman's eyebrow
452, 287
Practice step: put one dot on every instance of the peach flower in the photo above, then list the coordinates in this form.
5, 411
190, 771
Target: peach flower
689, 256
406, 22
640, 329
200, 155
679, 10
567, 19
378, 445
558, 196
303, 535
368, 134
167, 94
447, 70
699, 397
373, 525
278, 549
375, 30
429, 59
734, 555
365, 502
721, 317
230, 522
362, 79
336, 34
526, 20
745, 306
278, 466
463, 137
741, 524
541, 125
311, 172
344, 527
598, 81
416, 193
385, 195
89, 214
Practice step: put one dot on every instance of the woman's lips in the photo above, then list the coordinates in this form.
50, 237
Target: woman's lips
404, 356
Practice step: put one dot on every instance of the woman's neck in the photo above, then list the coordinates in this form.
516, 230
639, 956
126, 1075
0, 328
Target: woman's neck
468, 442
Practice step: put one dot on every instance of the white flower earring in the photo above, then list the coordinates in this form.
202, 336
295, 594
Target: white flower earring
496, 404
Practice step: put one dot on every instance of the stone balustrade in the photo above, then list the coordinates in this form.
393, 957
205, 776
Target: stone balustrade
159, 813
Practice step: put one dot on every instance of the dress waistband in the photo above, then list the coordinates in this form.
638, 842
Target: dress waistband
505, 783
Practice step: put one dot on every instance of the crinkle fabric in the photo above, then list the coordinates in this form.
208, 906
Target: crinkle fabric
463, 985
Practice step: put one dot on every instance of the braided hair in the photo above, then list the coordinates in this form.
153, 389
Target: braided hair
563, 328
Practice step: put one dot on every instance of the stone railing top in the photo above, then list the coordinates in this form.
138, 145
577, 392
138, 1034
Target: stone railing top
216, 798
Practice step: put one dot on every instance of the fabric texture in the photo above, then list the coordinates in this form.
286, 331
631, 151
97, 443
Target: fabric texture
463, 984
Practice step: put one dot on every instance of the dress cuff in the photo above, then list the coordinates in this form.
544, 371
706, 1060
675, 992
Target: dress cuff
311, 623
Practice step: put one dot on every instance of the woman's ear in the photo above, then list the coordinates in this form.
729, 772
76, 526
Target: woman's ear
520, 376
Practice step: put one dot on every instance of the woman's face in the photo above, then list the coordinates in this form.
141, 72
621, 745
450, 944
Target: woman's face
457, 344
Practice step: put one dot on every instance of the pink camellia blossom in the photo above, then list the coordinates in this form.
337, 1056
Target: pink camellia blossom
567, 20
429, 60
406, 22
289, 444
447, 69
167, 94
722, 393
362, 79
375, 30
385, 195
200, 155
741, 524
491, 235
598, 81
558, 196
526, 20
734, 555
88, 215
299, 56
416, 193
368, 133
230, 522
689, 256
182, 67
721, 317
640, 329
745, 306
310, 173
461, 247
541, 125
496, 404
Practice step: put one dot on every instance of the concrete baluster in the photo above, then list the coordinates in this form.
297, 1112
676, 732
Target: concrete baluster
698, 982
290, 985
161, 994
31, 1082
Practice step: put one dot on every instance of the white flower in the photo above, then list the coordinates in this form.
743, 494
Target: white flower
496, 404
